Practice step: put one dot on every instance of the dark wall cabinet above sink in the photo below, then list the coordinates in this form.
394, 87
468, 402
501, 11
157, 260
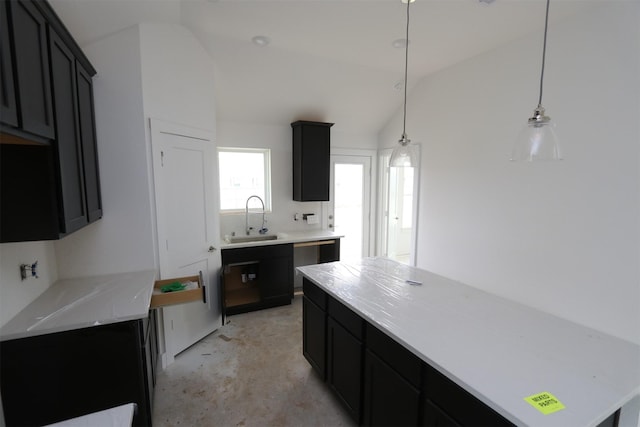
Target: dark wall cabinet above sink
311, 164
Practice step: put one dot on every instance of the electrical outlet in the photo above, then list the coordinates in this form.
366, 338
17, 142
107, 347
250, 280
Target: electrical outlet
29, 270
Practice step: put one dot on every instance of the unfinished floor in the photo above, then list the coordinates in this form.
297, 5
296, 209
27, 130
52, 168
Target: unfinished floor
250, 372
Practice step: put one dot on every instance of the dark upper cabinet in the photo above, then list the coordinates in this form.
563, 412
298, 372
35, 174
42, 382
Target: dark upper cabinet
8, 107
49, 175
75, 142
86, 118
33, 89
68, 148
311, 149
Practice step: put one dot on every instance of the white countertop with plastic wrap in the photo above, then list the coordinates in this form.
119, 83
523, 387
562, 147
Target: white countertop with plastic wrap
287, 237
79, 303
498, 350
120, 416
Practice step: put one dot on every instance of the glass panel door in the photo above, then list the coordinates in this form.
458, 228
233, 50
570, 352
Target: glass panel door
396, 227
349, 204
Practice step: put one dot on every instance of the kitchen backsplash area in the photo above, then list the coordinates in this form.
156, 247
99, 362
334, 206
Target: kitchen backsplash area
279, 220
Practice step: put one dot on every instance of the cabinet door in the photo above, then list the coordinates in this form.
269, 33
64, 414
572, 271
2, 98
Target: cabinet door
314, 329
276, 276
32, 68
54, 377
311, 149
329, 253
389, 400
72, 204
434, 417
458, 404
86, 118
344, 367
8, 109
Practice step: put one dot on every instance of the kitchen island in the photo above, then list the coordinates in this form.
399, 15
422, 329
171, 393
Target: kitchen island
481, 358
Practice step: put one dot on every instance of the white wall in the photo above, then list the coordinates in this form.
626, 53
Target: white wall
563, 237
177, 76
15, 293
278, 138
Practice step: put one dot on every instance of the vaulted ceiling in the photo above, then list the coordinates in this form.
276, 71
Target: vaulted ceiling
327, 60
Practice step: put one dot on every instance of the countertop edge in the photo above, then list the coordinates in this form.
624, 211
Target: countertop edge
291, 237
134, 304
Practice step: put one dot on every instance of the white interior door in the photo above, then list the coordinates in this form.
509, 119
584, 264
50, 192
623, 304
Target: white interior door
398, 205
185, 175
349, 208
400, 218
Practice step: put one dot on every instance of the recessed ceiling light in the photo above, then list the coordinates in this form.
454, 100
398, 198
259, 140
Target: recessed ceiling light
486, 1
261, 41
407, 1
400, 43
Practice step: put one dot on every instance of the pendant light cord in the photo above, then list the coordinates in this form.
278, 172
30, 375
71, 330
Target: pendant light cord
544, 50
406, 66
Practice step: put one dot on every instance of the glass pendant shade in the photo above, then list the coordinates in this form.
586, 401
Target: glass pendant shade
404, 154
537, 141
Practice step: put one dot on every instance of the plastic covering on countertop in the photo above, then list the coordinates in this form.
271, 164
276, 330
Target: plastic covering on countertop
120, 416
388, 285
82, 302
404, 299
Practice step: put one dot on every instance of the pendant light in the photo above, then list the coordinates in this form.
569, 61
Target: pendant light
404, 154
538, 141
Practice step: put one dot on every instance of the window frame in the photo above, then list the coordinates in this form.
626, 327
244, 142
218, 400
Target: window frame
266, 152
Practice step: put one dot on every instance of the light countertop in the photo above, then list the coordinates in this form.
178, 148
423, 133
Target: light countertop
120, 416
498, 350
286, 237
78, 303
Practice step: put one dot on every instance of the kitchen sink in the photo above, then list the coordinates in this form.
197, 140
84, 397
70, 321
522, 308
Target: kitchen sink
245, 239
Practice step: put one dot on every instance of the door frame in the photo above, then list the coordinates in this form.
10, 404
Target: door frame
372, 155
157, 127
382, 209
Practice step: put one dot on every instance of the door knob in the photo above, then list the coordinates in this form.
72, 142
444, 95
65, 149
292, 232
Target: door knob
211, 249
330, 225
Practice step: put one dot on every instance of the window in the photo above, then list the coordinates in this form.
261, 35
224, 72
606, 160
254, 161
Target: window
244, 172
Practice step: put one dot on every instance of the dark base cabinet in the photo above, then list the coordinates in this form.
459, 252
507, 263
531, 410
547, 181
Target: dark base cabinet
314, 325
256, 277
54, 377
390, 400
457, 404
379, 381
344, 366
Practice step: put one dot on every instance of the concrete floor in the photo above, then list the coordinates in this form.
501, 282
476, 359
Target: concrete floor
250, 372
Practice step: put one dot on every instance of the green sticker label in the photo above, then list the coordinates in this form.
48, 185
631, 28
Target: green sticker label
545, 402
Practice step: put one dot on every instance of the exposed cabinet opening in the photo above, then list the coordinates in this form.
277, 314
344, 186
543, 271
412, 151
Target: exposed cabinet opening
242, 284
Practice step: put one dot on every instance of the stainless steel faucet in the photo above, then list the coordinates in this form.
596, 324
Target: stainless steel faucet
248, 229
